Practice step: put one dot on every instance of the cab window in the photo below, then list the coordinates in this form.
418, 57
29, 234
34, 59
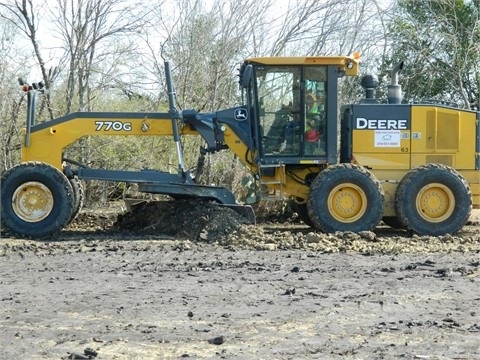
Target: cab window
292, 110
278, 91
315, 110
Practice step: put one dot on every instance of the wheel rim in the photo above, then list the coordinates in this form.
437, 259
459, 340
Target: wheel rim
347, 202
32, 201
435, 202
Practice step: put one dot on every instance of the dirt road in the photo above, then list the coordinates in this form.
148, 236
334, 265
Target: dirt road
125, 295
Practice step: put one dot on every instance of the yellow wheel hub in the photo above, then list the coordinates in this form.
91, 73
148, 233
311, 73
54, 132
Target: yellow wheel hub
435, 202
347, 202
32, 201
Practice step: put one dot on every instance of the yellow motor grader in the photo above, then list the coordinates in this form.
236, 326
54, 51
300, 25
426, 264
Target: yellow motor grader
347, 166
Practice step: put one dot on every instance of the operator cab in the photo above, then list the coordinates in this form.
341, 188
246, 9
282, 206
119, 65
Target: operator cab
293, 104
294, 110
291, 109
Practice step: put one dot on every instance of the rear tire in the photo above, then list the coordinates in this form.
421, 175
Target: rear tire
37, 200
434, 200
345, 197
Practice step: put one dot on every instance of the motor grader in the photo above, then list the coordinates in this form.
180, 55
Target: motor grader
348, 167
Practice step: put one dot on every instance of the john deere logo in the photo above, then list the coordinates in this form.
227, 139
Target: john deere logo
375, 124
241, 114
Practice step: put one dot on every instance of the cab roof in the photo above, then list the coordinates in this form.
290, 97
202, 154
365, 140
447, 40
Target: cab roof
346, 64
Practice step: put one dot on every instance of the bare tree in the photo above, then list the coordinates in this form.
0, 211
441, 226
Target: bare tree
297, 24
24, 15
333, 27
11, 99
206, 44
95, 35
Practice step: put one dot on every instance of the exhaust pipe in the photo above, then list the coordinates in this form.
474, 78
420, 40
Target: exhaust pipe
394, 89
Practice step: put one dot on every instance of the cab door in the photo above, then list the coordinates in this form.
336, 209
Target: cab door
279, 108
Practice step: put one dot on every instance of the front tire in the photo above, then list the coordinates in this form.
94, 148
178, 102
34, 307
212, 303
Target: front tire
37, 200
345, 197
433, 199
78, 195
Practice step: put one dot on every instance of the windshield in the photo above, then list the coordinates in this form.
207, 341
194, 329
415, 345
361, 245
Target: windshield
292, 108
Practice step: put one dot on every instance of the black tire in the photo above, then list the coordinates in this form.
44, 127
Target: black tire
345, 197
36, 200
393, 222
434, 200
79, 196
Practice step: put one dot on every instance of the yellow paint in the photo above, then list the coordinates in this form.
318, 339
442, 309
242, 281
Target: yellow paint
47, 145
441, 133
348, 64
347, 202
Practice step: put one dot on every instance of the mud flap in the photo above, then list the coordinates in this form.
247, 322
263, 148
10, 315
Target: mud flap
245, 210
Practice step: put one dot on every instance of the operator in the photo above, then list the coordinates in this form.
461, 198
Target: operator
314, 106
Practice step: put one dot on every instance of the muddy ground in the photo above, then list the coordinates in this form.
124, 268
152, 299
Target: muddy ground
200, 284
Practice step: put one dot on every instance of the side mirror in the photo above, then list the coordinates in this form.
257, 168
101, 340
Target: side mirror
246, 79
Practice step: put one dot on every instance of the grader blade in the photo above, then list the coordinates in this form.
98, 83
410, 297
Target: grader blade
244, 210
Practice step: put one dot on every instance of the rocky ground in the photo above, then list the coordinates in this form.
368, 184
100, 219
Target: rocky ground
191, 281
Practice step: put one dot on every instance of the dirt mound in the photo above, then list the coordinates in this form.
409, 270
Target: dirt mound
192, 219
382, 240
208, 222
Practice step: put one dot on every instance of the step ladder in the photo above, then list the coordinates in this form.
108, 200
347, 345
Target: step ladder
265, 185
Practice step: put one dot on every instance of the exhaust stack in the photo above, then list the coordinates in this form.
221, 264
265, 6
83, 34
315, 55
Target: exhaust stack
394, 89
